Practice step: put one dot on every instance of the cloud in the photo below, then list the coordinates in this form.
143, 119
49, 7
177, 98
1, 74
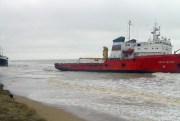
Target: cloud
76, 27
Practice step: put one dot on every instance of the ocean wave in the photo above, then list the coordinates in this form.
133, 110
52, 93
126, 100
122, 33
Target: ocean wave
174, 76
48, 69
119, 91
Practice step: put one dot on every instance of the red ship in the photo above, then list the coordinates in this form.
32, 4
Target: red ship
132, 57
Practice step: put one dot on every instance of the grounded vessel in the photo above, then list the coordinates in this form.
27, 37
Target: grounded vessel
155, 55
3, 59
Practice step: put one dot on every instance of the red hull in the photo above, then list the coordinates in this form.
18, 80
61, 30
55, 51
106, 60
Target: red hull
144, 64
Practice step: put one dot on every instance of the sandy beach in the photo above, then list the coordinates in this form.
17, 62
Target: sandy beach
17, 108
47, 112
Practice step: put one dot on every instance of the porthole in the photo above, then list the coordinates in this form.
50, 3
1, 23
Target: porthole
123, 65
178, 65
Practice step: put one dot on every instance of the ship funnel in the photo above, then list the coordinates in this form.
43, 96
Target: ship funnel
105, 53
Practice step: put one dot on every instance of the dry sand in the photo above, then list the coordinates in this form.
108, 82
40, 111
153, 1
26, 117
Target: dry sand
47, 112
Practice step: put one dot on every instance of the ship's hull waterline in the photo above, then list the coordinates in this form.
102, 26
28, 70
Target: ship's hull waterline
139, 64
3, 62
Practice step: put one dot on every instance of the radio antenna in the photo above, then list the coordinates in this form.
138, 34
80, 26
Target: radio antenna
129, 23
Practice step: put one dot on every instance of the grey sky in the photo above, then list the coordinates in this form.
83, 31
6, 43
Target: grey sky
56, 29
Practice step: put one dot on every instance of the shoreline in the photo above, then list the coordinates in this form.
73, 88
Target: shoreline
49, 113
13, 107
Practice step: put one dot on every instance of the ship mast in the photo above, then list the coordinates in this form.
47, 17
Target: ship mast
0, 51
129, 23
155, 35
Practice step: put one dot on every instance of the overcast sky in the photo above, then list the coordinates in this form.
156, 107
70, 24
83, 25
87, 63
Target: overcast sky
60, 29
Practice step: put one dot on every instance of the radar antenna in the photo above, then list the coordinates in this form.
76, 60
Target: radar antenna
156, 28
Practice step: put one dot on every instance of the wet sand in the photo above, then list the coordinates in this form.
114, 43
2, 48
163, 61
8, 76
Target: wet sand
47, 112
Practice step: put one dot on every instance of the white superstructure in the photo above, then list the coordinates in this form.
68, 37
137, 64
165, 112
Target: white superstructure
157, 46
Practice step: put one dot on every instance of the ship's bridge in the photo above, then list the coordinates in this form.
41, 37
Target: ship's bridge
157, 46
118, 45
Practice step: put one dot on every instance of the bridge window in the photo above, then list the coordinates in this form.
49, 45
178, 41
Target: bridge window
138, 44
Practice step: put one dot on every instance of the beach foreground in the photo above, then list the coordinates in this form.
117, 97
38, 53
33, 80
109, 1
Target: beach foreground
47, 112
16, 108
10, 110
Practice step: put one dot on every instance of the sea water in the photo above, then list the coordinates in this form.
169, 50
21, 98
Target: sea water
96, 96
